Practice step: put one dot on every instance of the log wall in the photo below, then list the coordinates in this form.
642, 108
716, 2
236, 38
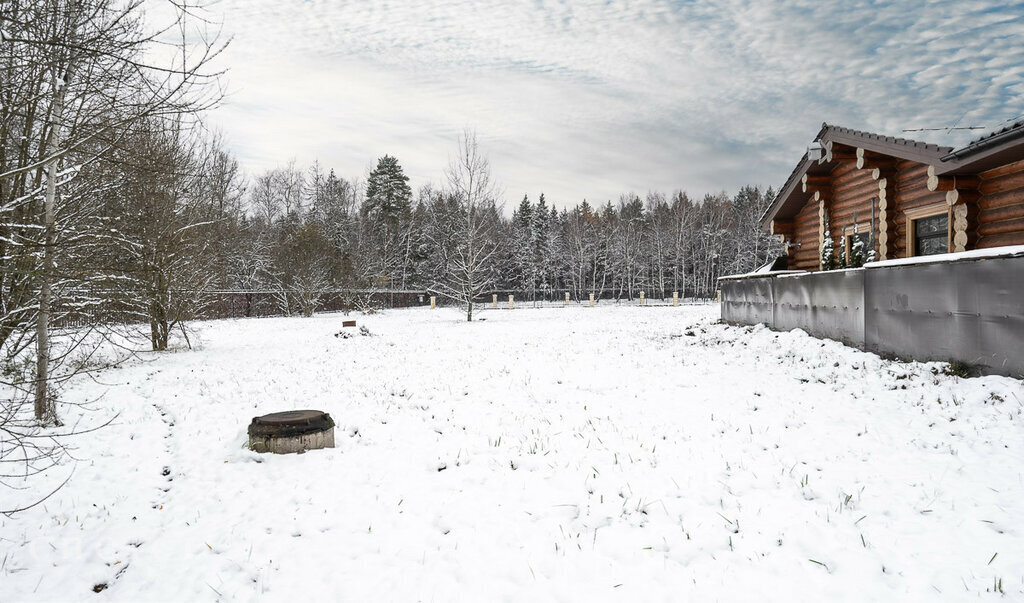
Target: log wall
1001, 206
852, 190
911, 193
805, 231
994, 220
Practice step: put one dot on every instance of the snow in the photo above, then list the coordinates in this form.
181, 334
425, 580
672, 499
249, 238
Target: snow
758, 273
610, 453
975, 254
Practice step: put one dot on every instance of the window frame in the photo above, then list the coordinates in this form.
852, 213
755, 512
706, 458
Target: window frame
927, 211
861, 228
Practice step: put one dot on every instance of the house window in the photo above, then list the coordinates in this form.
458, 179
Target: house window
928, 230
931, 235
852, 233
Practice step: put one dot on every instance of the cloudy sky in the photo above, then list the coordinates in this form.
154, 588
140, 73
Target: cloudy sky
590, 99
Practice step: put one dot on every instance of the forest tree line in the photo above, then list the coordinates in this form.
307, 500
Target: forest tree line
305, 231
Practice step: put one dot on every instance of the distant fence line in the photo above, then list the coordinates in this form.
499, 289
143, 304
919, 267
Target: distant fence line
257, 303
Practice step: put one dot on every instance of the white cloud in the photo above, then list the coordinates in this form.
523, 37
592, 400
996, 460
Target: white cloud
593, 98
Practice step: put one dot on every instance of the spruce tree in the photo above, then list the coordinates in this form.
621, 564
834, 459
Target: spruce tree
828, 254
388, 195
856, 259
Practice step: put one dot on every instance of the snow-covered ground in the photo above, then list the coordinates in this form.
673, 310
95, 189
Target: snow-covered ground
611, 453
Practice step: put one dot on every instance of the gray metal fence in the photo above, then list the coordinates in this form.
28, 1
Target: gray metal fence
965, 309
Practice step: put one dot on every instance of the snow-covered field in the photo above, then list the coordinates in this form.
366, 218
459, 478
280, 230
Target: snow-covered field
614, 453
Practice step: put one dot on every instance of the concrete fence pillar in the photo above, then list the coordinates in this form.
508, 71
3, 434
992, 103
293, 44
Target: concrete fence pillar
675, 298
641, 298
566, 299
591, 300
494, 300
511, 302
433, 302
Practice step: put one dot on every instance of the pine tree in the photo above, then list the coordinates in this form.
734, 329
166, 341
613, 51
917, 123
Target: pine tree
541, 232
523, 273
856, 259
388, 195
387, 210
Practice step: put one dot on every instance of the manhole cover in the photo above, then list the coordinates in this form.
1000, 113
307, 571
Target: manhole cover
291, 431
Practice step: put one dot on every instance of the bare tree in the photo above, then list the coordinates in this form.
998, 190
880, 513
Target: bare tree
470, 268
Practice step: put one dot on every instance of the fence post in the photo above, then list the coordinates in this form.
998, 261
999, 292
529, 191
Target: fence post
675, 298
433, 302
641, 298
494, 299
591, 300
566, 299
511, 301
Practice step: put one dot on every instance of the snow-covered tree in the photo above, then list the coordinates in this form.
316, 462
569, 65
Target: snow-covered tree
471, 268
828, 254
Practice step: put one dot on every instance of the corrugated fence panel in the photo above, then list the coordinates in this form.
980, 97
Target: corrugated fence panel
748, 301
971, 311
825, 304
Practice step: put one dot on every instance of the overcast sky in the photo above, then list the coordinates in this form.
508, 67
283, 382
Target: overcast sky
590, 99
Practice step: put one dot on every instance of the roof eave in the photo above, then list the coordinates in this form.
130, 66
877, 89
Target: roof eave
788, 189
975, 155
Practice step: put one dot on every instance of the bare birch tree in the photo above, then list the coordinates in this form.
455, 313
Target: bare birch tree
471, 266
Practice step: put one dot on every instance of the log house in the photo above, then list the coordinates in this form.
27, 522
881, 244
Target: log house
904, 198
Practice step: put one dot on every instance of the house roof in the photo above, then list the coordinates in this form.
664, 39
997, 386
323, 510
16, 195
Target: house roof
993, 149
1002, 146
788, 201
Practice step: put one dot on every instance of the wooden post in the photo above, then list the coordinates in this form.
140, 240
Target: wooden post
494, 300
719, 295
433, 302
675, 298
591, 300
641, 298
566, 299
511, 302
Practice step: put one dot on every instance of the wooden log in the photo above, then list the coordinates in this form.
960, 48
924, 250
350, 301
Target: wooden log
961, 196
965, 225
843, 170
348, 323
1003, 170
918, 195
781, 227
938, 183
1001, 240
866, 159
1008, 182
812, 183
840, 153
997, 214
1003, 199
1012, 225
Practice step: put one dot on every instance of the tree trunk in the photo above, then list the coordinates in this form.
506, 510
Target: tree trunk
44, 409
